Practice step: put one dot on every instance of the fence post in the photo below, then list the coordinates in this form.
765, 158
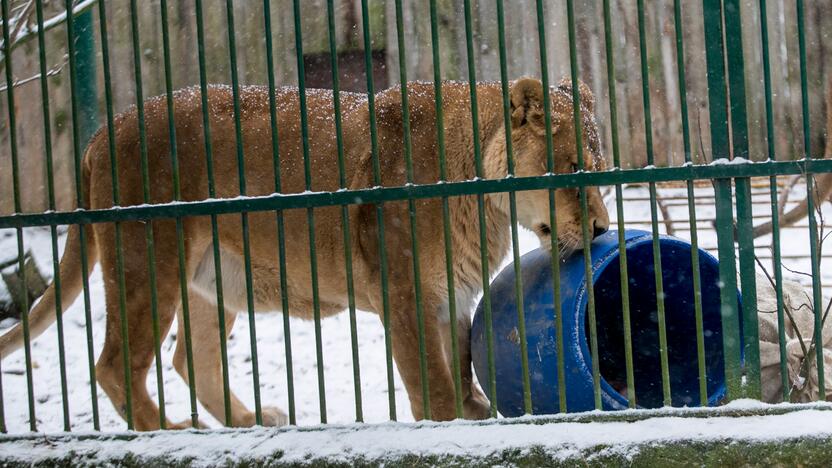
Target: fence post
745, 239
721, 148
87, 87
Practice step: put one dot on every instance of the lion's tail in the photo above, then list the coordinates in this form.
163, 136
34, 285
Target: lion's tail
823, 182
71, 281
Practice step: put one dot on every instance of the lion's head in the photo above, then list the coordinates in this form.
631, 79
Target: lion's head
530, 155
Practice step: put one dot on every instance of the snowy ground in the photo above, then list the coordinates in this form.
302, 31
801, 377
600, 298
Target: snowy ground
336, 348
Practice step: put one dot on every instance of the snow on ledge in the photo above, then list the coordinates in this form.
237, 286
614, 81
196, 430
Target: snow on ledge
560, 438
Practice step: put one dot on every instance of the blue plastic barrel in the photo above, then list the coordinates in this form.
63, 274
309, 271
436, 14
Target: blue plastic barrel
540, 328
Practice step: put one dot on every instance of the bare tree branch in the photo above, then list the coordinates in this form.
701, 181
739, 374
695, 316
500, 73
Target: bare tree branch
30, 31
52, 72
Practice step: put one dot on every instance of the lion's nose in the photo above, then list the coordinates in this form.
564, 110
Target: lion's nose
599, 229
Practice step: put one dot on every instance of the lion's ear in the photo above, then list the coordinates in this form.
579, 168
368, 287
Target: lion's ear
526, 99
587, 98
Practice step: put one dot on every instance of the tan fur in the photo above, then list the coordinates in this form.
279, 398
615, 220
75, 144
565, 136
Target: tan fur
823, 182
528, 138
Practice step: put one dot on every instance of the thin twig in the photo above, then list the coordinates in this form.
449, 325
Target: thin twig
785, 309
18, 20
668, 221
52, 72
785, 193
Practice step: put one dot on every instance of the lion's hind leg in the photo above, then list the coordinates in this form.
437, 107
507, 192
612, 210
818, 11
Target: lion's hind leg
140, 339
207, 366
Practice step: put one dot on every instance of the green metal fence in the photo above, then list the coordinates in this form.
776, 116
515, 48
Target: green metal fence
732, 184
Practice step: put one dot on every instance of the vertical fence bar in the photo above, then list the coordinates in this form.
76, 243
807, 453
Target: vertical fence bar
177, 195
446, 223
209, 165
82, 232
475, 128
694, 237
310, 216
241, 176
87, 88
817, 338
50, 187
368, 71
3, 429
555, 245
657, 259
775, 213
717, 100
148, 226
619, 207
745, 238
345, 213
281, 232
111, 147
512, 200
24, 317
411, 207
590, 293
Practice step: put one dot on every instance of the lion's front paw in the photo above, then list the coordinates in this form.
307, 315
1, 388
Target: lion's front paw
274, 416
476, 406
187, 424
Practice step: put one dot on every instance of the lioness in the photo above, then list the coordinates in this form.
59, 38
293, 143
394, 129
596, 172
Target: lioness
528, 137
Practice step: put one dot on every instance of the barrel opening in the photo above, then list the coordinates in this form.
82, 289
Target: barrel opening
679, 319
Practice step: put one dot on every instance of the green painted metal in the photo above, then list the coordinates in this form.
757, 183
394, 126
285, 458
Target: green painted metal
148, 227
12, 122
745, 239
486, 277
310, 215
87, 87
77, 155
776, 264
720, 144
554, 245
111, 148
180, 232
814, 243
694, 237
50, 187
657, 259
215, 243
587, 237
411, 208
281, 231
512, 201
3, 429
241, 176
728, 282
619, 207
446, 222
450, 189
345, 218
385, 297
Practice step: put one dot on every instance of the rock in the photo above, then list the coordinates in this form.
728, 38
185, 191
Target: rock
19, 290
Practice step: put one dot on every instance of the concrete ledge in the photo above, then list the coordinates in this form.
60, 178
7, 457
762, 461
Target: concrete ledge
733, 436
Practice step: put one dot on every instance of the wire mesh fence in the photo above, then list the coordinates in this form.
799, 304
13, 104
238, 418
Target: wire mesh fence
215, 201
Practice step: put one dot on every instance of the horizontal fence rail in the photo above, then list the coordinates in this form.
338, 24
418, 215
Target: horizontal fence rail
381, 194
228, 199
